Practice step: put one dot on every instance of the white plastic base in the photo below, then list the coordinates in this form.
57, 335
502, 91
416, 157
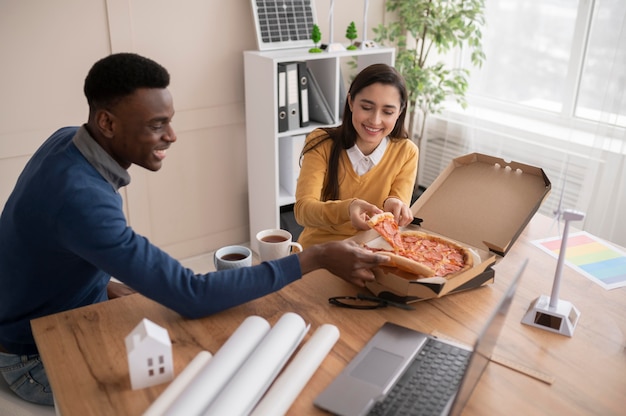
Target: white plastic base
335, 47
367, 44
561, 319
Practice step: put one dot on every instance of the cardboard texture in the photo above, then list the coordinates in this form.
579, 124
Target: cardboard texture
479, 201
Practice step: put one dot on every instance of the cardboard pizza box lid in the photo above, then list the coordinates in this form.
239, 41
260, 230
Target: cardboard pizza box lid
483, 201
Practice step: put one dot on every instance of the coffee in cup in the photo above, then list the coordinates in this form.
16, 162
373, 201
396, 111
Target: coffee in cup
274, 239
276, 243
232, 257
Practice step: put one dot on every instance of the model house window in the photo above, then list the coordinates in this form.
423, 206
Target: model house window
161, 366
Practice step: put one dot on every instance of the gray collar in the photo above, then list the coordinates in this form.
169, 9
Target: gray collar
100, 160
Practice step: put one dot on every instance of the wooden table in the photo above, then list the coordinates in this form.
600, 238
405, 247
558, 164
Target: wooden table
84, 353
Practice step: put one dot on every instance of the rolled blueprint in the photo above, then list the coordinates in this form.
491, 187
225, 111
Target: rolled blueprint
255, 376
180, 383
226, 361
290, 383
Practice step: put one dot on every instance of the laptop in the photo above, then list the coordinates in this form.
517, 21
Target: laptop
398, 358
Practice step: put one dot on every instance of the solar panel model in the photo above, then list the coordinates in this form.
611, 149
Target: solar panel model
283, 24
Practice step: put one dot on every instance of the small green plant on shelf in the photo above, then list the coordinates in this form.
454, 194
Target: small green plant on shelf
351, 35
316, 37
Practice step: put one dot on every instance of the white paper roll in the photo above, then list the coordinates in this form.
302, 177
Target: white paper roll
300, 370
255, 376
214, 376
180, 383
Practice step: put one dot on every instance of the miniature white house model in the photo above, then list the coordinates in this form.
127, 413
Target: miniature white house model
149, 351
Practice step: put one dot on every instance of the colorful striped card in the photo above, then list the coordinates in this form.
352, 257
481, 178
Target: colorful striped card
594, 258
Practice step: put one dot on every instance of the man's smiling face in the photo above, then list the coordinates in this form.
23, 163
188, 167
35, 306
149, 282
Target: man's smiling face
141, 128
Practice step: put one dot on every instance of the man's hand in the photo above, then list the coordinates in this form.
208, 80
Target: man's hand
117, 290
360, 212
345, 259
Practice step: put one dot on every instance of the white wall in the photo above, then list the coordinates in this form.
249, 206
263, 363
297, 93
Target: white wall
198, 200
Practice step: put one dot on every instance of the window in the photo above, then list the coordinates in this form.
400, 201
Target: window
161, 366
604, 67
564, 58
551, 93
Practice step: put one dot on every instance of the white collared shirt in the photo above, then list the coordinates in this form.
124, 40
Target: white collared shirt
361, 163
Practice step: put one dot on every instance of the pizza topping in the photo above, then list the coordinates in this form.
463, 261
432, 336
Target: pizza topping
420, 253
385, 224
439, 256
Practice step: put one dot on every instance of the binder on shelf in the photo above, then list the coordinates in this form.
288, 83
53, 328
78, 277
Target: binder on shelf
293, 106
319, 110
303, 84
282, 98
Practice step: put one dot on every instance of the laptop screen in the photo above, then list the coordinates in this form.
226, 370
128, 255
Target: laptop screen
484, 346
383, 365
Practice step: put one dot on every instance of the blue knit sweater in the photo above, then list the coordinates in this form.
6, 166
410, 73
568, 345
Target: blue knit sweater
63, 233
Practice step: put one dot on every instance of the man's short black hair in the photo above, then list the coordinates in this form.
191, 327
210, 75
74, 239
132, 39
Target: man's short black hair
119, 75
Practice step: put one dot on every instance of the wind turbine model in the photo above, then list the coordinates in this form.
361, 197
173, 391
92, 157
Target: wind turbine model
551, 313
332, 47
366, 44
558, 211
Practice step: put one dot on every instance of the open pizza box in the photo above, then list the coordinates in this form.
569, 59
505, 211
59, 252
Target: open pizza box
479, 201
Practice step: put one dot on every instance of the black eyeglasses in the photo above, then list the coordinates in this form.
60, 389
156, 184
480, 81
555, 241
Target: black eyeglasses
361, 301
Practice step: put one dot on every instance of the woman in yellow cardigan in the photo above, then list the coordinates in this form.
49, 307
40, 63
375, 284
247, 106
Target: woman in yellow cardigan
362, 167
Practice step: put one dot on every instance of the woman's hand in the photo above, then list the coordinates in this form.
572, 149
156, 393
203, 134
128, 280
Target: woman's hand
401, 211
360, 212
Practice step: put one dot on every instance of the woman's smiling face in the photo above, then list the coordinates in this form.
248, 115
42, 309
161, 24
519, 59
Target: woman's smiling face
375, 110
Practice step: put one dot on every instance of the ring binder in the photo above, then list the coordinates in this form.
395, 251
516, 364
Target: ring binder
303, 97
293, 90
282, 98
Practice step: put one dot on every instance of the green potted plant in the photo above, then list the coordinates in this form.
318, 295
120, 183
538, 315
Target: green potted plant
316, 37
351, 34
420, 27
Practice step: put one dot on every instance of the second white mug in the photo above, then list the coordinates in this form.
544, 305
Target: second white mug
232, 257
276, 243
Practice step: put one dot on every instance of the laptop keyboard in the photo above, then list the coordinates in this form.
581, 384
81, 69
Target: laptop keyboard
429, 382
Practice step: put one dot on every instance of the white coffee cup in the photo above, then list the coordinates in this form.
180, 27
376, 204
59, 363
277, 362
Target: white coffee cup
276, 243
232, 257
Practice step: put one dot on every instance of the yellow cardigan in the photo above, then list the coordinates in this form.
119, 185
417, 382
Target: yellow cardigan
393, 176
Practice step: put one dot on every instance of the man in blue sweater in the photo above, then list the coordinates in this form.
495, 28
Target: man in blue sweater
63, 232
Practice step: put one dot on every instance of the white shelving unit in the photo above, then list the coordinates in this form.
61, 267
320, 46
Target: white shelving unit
262, 137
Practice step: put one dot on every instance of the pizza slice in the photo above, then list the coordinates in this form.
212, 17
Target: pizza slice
406, 265
385, 224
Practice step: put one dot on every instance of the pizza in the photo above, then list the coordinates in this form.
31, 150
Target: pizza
385, 224
417, 252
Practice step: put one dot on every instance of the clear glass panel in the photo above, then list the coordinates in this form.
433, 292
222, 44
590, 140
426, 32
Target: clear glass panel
603, 83
527, 45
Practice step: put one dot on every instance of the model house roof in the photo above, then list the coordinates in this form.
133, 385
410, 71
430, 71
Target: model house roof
147, 329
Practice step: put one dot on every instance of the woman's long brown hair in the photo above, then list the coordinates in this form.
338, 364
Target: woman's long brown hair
344, 136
